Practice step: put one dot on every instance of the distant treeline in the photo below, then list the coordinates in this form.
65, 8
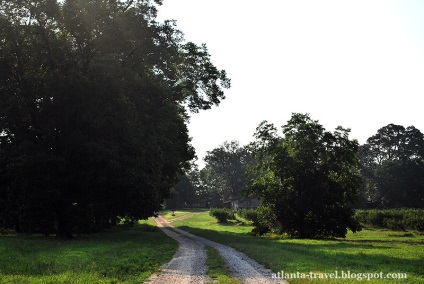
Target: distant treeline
392, 168
394, 219
310, 179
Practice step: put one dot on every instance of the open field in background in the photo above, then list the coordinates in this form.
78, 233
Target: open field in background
180, 213
371, 250
122, 255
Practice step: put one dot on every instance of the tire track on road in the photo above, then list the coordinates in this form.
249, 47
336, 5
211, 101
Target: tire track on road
192, 251
188, 263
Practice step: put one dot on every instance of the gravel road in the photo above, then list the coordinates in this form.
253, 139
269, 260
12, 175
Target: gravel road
188, 263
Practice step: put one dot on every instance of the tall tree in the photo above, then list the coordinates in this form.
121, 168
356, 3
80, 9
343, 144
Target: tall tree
393, 167
308, 179
94, 101
225, 170
186, 191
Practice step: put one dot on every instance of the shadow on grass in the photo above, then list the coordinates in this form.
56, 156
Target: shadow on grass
312, 255
121, 253
388, 242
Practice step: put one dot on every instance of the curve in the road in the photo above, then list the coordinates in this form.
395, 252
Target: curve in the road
188, 264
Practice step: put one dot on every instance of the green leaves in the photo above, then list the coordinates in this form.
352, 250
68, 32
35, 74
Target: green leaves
393, 167
225, 170
94, 94
308, 178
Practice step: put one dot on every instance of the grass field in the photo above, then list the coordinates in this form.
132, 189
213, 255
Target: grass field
369, 251
131, 255
180, 213
125, 255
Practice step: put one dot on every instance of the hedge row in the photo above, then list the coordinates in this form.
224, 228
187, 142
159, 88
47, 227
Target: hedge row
393, 219
248, 214
222, 214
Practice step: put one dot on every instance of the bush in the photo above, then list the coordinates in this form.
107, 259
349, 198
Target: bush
4, 231
248, 214
222, 214
266, 220
414, 219
395, 225
394, 219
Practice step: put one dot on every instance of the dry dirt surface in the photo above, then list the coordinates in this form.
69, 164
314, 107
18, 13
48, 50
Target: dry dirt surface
188, 263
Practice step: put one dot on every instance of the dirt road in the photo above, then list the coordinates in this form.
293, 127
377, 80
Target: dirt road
188, 264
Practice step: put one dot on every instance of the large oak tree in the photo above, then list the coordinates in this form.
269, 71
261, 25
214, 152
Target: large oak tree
94, 101
307, 180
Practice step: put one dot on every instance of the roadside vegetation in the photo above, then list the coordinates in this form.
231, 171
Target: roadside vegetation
370, 250
217, 268
122, 255
393, 219
222, 214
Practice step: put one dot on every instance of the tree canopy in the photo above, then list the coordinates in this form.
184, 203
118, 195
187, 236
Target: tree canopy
94, 101
392, 166
224, 173
307, 180
187, 191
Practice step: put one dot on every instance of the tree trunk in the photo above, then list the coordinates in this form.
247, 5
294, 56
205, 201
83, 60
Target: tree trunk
63, 229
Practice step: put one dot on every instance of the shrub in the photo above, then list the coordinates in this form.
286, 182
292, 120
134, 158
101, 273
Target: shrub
4, 231
266, 220
248, 214
395, 225
414, 219
394, 219
222, 214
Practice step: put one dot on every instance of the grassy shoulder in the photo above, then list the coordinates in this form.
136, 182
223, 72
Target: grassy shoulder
368, 251
217, 268
124, 255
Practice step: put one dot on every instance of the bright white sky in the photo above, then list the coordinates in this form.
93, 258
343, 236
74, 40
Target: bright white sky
358, 64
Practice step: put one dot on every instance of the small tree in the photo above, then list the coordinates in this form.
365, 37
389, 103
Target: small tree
308, 179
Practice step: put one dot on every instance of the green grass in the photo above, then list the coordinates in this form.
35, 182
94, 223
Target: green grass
179, 213
217, 268
124, 255
371, 250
